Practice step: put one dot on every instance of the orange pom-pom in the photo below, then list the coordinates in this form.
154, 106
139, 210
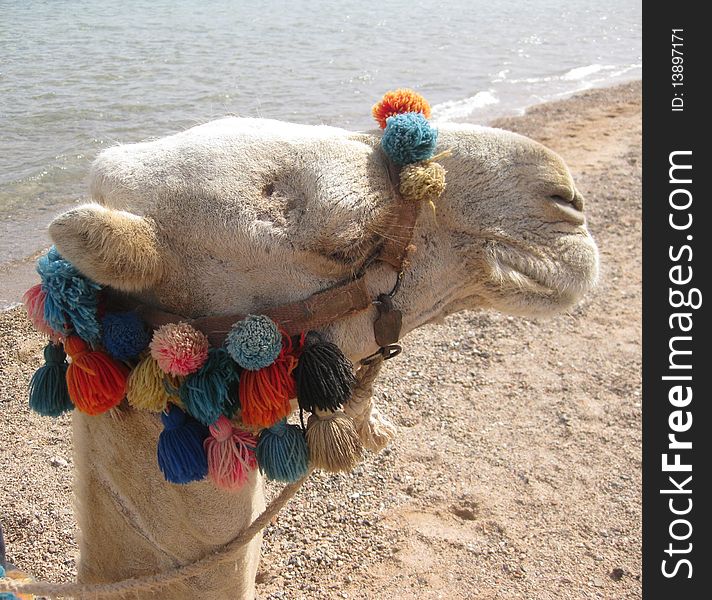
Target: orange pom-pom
96, 382
398, 102
265, 394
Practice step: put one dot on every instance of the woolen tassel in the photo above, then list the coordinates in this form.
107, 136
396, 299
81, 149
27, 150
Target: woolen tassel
231, 454
282, 452
324, 376
179, 348
71, 301
49, 395
205, 393
124, 335
181, 456
145, 388
96, 382
34, 301
334, 444
265, 394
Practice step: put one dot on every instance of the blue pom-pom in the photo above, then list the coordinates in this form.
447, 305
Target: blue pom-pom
49, 395
72, 299
282, 452
124, 335
255, 342
206, 392
409, 138
181, 456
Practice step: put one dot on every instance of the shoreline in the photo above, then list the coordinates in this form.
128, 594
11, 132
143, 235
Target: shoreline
516, 468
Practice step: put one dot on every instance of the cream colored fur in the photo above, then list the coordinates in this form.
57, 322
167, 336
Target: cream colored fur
241, 214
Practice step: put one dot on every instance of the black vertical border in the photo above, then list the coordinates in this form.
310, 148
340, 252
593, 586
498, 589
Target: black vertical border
665, 131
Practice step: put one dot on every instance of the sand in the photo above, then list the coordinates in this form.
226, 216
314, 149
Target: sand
516, 472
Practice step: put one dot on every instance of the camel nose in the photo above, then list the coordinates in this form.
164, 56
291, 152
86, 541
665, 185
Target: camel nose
570, 205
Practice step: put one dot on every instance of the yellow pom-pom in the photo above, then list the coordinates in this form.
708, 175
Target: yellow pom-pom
398, 102
145, 388
424, 181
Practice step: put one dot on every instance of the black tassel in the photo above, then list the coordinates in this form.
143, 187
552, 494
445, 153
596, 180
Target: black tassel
325, 377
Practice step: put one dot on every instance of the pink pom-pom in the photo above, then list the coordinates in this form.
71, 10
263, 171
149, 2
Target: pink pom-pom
179, 348
34, 301
231, 454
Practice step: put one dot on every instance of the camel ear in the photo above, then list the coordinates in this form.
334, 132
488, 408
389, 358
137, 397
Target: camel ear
112, 247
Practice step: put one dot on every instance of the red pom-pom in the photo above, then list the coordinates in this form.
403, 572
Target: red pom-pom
96, 382
231, 454
398, 102
179, 348
34, 301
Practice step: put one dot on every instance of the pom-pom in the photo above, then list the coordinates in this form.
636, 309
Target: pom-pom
146, 388
231, 454
124, 335
324, 376
255, 342
205, 393
422, 181
71, 300
179, 348
34, 301
181, 456
96, 382
282, 452
409, 138
49, 395
334, 444
265, 394
398, 102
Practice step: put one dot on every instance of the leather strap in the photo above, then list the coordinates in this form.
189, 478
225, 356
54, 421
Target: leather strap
337, 302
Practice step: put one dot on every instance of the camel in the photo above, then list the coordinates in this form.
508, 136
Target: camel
240, 214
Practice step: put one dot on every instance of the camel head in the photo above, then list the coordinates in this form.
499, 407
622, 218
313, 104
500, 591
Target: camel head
238, 215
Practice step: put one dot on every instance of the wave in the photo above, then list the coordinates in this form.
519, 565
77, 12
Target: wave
579, 73
458, 109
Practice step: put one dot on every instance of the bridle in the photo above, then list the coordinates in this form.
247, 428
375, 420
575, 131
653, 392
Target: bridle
344, 299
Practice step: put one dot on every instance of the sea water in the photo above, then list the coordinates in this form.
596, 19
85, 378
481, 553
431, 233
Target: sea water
77, 76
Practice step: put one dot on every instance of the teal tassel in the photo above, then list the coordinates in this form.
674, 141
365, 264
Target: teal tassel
48, 387
206, 393
282, 452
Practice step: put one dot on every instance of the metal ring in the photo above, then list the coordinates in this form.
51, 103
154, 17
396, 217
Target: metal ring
387, 352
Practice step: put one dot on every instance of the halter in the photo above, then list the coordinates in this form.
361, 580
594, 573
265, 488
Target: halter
344, 299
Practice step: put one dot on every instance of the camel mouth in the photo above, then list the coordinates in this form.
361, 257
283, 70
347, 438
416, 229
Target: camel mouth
544, 285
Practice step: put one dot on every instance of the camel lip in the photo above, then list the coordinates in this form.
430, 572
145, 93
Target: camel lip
540, 283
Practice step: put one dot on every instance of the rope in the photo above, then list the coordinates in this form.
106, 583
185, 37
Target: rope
217, 557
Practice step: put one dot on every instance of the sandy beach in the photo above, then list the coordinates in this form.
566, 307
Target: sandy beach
516, 471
